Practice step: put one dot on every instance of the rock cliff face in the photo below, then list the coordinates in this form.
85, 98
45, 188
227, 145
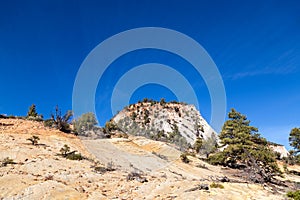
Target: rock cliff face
174, 121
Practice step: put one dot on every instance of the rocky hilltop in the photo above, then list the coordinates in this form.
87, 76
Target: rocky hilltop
176, 122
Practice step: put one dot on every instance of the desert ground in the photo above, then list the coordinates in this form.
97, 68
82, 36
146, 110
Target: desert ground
40, 173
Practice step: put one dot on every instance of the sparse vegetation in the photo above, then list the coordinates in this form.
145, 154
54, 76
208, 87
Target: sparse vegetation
198, 144
49, 123
49, 177
184, 158
100, 169
203, 166
32, 111
294, 194
7, 161
146, 116
292, 159
111, 126
159, 155
209, 146
110, 166
34, 139
133, 115
136, 176
162, 102
66, 152
74, 156
217, 185
85, 122
33, 115
176, 138
285, 168
60, 122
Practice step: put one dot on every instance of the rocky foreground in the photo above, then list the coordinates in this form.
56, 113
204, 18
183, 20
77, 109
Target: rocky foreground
117, 168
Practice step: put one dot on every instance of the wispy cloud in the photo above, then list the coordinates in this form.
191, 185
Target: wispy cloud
285, 64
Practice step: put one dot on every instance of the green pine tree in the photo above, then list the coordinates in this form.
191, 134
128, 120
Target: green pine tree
294, 139
32, 111
244, 147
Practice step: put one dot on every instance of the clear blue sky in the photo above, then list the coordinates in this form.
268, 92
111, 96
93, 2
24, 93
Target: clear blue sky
255, 45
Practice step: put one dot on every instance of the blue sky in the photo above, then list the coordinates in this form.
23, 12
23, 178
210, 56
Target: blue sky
255, 45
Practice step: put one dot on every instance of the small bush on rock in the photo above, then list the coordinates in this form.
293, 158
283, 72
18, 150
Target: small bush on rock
34, 139
33, 115
216, 185
60, 122
294, 194
184, 158
71, 155
85, 122
6, 161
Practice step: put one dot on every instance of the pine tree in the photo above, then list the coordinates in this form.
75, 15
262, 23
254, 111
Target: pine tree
294, 139
32, 111
244, 147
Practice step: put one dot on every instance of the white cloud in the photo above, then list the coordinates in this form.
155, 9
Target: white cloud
284, 64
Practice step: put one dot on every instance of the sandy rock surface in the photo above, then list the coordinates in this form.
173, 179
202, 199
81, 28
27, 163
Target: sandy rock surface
39, 173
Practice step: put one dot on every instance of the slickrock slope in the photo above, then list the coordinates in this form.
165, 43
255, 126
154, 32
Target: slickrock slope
39, 173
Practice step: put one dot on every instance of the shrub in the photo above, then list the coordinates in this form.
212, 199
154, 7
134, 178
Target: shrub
294, 194
198, 144
110, 166
162, 102
32, 111
203, 166
71, 155
60, 122
216, 185
48, 177
33, 115
111, 126
209, 146
49, 123
34, 139
292, 159
136, 176
74, 156
85, 122
65, 150
6, 161
159, 155
100, 169
217, 159
133, 116
184, 158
